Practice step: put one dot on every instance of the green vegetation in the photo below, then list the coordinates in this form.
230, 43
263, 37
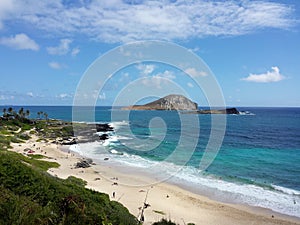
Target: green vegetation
16, 128
52, 129
13, 127
31, 196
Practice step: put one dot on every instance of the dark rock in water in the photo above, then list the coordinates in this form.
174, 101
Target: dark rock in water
84, 163
88, 133
103, 127
103, 137
170, 102
67, 141
216, 111
232, 111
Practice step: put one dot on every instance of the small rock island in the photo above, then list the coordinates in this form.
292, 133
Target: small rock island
179, 102
218, 111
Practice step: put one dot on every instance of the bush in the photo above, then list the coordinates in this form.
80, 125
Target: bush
164, 222
23, 136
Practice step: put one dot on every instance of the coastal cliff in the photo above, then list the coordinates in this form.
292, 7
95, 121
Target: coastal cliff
170, 102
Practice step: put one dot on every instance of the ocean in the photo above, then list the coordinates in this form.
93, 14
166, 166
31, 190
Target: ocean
258, 163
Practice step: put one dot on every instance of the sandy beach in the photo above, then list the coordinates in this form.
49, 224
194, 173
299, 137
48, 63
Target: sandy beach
165, 200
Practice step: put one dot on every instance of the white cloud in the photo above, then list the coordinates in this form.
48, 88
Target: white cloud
145, 69
62, 49
64, 96
6, 6
20, 42
268, 77
166, 74
159, 79
6, 97
190, 85
122, 21
102, 96
55, 65
195, 73
30, 94
125, 78
195, 49
75, 51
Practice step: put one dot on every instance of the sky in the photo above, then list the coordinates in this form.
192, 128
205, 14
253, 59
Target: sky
251, 47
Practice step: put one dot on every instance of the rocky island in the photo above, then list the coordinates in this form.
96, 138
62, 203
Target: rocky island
179, 102
170, 102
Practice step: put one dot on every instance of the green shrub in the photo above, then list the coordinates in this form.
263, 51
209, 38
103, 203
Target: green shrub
164, 222
15, 139
76, 181
23, 136
4, 140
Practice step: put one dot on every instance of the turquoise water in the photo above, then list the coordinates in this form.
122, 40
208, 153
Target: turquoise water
258, 163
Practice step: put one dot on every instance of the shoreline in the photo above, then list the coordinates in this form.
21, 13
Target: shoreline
166, 200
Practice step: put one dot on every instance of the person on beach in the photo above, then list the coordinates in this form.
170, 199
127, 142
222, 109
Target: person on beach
114, 194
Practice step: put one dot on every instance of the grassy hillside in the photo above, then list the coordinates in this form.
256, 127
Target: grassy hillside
29, 195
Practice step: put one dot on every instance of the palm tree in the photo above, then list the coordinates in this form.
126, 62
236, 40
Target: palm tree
46, 116
10, 110
39, 114
4, 112
21, 112
27, 113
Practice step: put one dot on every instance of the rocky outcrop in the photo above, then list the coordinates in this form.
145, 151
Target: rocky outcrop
170, 102
84, 163
87, 133
217, 111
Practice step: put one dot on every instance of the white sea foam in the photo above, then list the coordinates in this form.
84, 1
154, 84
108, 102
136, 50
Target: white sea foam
90, 150
286, 190
124, 138
113, 151
109, 133
246, 113
111, 141
117, 124
282, 200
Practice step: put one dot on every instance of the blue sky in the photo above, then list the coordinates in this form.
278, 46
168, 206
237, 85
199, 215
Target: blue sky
252, 47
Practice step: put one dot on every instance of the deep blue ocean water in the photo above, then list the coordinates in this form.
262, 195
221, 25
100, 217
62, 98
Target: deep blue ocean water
258, 163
